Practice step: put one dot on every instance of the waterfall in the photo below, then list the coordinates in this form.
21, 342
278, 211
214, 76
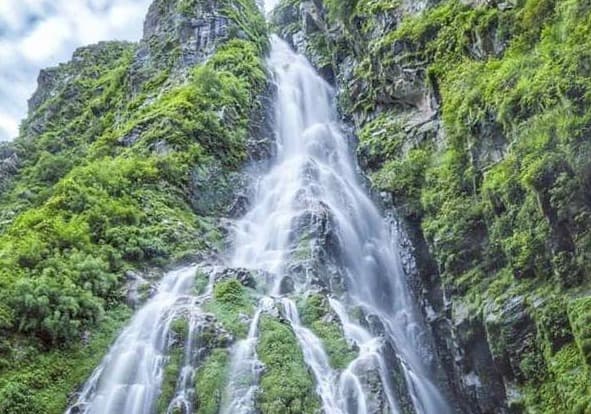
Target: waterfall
314, 168
312, 188
129, 377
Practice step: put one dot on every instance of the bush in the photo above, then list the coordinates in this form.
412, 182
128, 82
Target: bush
16, 398
54, 308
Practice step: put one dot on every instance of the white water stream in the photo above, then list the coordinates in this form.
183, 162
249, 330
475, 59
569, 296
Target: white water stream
314, 167
129, 377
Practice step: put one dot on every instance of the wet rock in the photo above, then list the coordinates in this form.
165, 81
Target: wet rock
369, 375
287, 286
244, 276
139, 286
315, 257
511, 332
478, 376
212, 334
397, 378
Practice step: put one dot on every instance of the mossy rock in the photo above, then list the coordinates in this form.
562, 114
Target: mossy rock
287, 386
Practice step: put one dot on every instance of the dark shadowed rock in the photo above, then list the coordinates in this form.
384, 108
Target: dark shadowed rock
244, 276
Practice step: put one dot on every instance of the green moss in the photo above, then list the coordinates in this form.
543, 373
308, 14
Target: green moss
210, 382
248, 18
172, 370
566, 389
315, 313
381, 139
580, 318
201, 282
405, 178
231, 303
286, 384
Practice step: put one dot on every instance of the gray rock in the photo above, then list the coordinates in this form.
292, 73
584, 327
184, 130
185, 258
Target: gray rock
287, 286
244, 276
511, 332
9, 164
214, 189
195, 32
139, 286
130, 139
479, 378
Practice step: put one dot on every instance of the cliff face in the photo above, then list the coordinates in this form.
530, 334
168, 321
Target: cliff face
474, 126
130, 158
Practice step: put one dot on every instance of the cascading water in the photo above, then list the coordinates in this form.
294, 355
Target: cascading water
314, 171
129, 377
245, 368
314, 167
316, 358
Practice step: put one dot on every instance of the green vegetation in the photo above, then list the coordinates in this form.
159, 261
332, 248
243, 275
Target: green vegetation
231, 303
580, 317
201, 282
569, 389
498, 181
106, 183
171, 373
210, 382
179, 329
315, 313
286, 384
34, 382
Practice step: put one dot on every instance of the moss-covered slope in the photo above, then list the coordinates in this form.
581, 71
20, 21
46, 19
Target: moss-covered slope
107, 178
475, 117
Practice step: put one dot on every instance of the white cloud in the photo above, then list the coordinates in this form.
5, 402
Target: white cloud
46, 41
8, 125
39, 33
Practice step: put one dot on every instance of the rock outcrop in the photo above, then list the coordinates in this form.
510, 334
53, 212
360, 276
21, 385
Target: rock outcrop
442, 155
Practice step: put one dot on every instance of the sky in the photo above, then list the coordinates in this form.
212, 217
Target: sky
35, 34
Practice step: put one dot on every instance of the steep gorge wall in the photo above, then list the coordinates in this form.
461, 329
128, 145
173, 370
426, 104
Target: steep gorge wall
474, 126
129, 161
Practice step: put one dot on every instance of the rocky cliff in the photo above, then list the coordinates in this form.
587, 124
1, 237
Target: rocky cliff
128, 162
473, 125
473, 130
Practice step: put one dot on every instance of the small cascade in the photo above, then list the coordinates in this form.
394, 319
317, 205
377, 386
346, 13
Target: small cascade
316, 358
245, 368
369, 358
185, 388
129, 377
